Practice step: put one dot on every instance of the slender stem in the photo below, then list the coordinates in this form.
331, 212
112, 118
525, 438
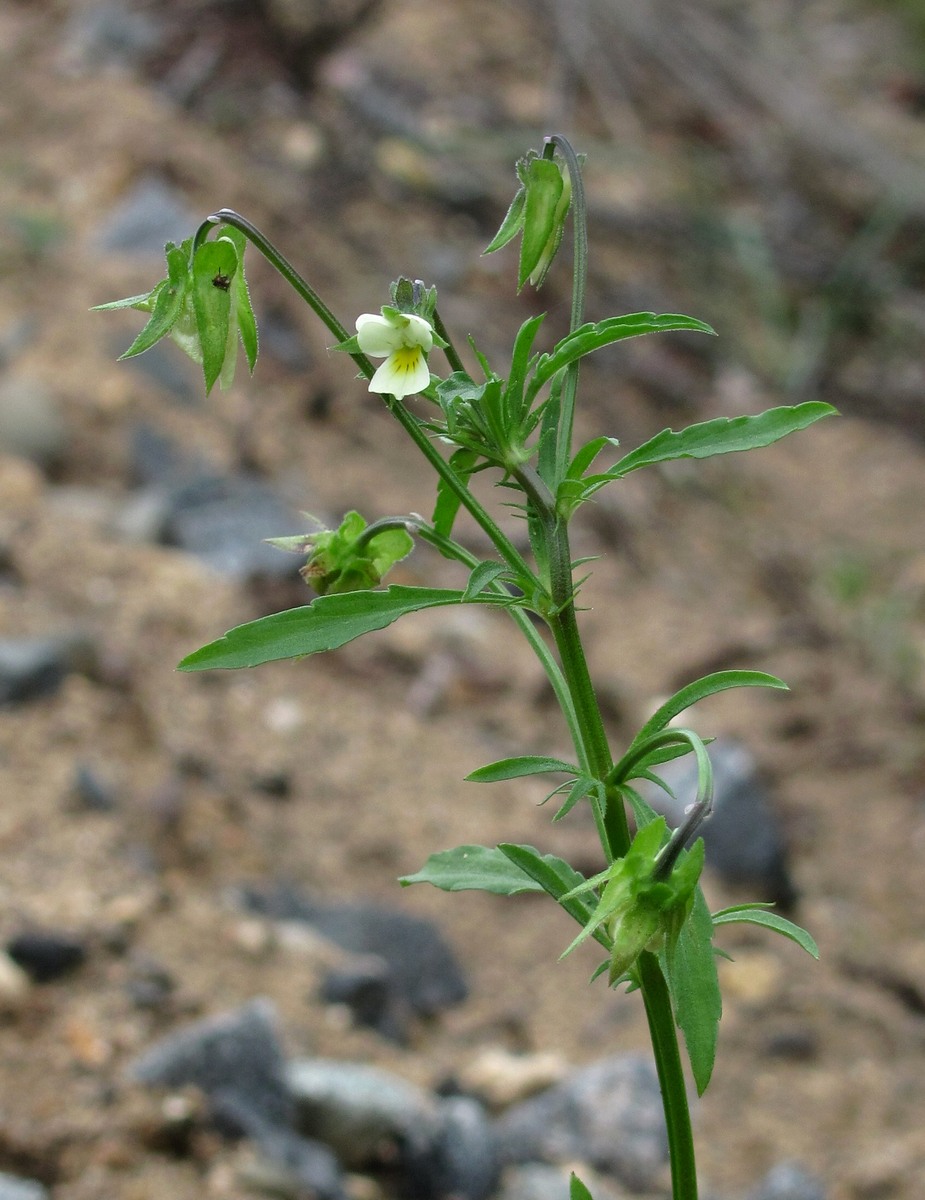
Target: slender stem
452, 355
612, 823
579, 287
670, 1077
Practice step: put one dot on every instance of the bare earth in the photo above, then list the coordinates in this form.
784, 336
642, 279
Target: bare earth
726, 564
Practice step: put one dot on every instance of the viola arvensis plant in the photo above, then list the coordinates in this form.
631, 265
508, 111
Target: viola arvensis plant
646, 909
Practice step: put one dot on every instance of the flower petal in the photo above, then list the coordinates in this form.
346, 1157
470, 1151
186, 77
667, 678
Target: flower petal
417, 332
376, 335
404, 373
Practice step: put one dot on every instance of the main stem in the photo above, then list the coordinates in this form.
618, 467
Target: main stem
594, 750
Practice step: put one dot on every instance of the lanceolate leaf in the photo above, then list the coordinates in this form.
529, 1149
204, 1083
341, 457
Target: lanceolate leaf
709, 685
723, 435
758, 915
592, 337
473, 868
515, 768
328, 622
690, 968
463, 462
557, 878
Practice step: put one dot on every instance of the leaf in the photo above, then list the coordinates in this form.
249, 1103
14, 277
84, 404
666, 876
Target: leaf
482, 577
544, 187
592, 337
757, 915
473, 868
577, 1190
520, 361
556, 877
709, 685
511, 225
328, 622
690, 968
581, 787
724, 435
515, 768
247, 324
214, 266
463, 463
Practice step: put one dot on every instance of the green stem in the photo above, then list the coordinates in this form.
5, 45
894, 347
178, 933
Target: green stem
670, 1077
579, 287
612, 824
452, 355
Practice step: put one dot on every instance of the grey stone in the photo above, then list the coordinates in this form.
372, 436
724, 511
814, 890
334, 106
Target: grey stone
14, 1188
608, 1114
152, 213
366, 1115
225, 521
31, 667
235, 1058
743, 838
31, 424
788, 1181
99, 35
424, 973
373, 1120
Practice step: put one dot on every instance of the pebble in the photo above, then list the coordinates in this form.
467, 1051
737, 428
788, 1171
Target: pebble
743, 838
110, 34
235, 1058
14, 1188
502, 1079
152, 213
31, 423
15, 985
788, 1181
608, 1114
222, 519
424, 974
46, 954
32, 667
371, 1119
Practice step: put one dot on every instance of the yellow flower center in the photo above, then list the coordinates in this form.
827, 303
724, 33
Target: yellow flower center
406, 358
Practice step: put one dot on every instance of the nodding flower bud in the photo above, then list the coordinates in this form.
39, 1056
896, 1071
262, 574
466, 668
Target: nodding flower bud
538, 212
639, 906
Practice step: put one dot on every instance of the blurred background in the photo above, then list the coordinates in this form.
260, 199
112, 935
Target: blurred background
175, 846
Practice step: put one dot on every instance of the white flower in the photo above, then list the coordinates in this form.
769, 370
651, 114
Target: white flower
404, 341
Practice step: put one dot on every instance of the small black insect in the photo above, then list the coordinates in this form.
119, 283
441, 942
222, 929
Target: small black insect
222, 281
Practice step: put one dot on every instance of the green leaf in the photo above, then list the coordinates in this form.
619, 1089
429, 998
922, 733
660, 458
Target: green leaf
581, 787
511, 225
463, 463
214, 266
328, 622
709, 685
556, 877
690, 968
544, 186
247, 324
473, 868
724, 435
751, 914
592, 337
483, 576
515, 768
520, 362
577, 1190
168, 304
